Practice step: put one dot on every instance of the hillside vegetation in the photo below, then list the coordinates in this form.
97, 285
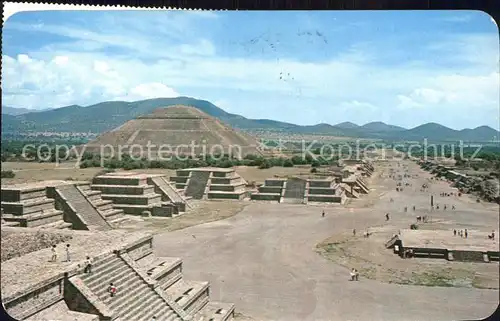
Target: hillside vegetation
106, 116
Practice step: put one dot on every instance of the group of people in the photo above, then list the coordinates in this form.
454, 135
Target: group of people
53, 258
461, 233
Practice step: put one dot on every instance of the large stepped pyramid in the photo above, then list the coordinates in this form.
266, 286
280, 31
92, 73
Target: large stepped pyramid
146, 285
183, 129
210, 183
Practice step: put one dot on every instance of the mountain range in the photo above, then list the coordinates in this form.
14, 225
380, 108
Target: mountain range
105, 116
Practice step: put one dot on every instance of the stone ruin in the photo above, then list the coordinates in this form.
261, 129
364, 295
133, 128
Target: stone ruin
97, 205
147, 286
348, 181
210, 183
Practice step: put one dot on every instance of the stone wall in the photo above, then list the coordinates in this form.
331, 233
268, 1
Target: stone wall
37, 298
272, 182
201, 301
468, 256
320, 184
141, 249
321, 191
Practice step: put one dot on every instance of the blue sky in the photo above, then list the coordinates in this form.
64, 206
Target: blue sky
405, 68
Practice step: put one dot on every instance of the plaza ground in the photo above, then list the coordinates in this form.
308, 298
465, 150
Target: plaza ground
266, 260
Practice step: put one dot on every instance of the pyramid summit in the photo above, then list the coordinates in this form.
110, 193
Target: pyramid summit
174, 130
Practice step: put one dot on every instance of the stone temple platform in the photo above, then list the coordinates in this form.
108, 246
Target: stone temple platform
300, 191
477, 247
210, 183
135, 193
147, 286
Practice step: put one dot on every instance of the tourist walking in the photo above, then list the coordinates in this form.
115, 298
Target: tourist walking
387, 216
112, 289
68, 257
454, 232
354, 232
88, 265
413, 208
466, 233
53, 258
323, 214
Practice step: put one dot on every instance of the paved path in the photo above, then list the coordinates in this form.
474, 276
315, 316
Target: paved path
263, 260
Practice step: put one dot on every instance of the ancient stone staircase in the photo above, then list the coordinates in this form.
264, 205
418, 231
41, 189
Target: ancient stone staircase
168, 190
135, 298
295, 190
193, 297
76, 199
104, 207
197, 184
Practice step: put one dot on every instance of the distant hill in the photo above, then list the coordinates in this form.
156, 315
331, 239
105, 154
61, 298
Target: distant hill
378, 126
15, 111
105, 116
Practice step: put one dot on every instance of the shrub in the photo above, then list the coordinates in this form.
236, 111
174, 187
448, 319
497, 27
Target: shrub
288, 163
8, 174
314, 170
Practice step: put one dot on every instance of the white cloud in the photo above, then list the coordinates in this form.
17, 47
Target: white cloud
146, 64
60, 60
153, 90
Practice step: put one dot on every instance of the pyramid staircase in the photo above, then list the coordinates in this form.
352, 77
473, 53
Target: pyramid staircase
103, 207
210, 183
29, 206
148, 286
295, 191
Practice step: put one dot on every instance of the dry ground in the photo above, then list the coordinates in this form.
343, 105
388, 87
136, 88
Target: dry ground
373, 261
265, 260
202, 212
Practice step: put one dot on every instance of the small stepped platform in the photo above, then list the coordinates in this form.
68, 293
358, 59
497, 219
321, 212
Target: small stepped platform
210, 183
135, 193
272, 190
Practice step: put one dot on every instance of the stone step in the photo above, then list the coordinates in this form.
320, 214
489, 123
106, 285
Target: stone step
124, 302
28, 206
98, 265
35, 219
102, 272
161, 312
103, 205
146, 199
120, 276
134, 209
141, 307
124, 189
92, 195
57, 225
10, 224
215, 311
111, 213
187, 293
